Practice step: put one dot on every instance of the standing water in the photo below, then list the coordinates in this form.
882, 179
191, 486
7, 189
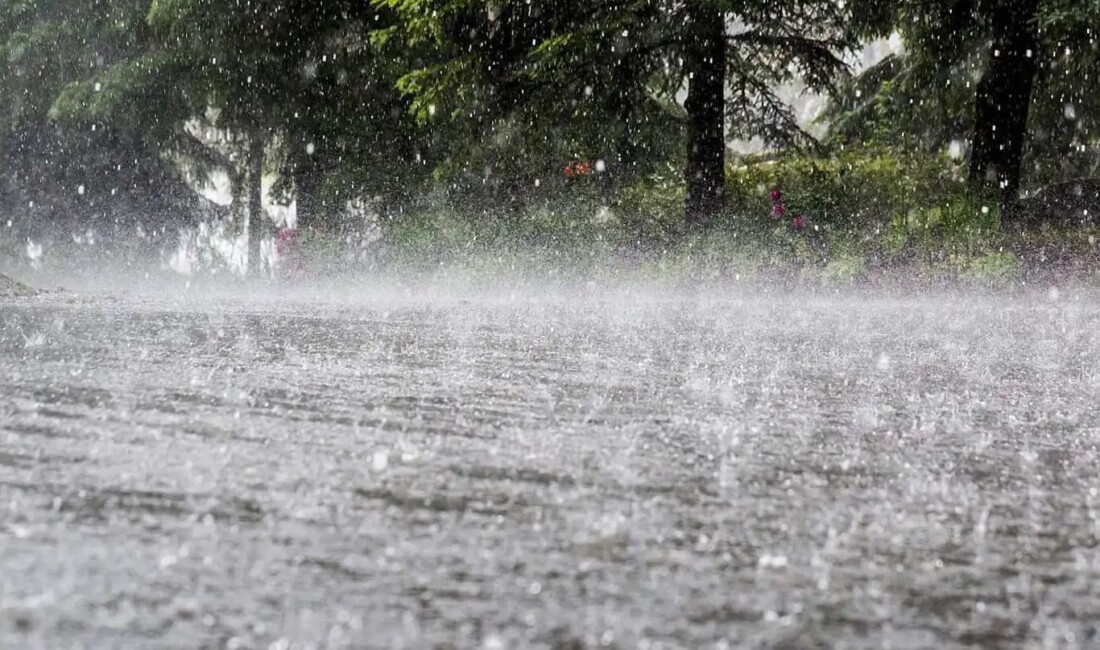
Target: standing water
629, 471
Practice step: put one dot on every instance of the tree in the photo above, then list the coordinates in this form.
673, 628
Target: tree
293, 88
705, 63
1030, 112
1003, 97
1064, 127
85, 174
729, 57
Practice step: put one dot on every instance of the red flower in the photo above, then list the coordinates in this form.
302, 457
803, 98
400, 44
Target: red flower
778, 210
799, 222
776, 195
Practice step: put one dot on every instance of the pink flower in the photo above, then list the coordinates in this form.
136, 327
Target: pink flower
776, 195
288, 246
799, 222
286, 239
778, 210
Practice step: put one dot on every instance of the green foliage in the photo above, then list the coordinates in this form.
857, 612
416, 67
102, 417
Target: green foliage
602, 80
923, 98
650, 210
856, 191
997, 267
903, 102
844, 269
84, 172
455, 118
864, 209
958, 221
866, 204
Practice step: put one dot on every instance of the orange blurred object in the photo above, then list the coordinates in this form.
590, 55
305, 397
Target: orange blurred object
578, 168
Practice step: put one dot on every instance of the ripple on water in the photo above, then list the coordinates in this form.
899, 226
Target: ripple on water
681, 473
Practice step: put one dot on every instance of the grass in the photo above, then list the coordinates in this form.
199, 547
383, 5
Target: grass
586, 249
872, 218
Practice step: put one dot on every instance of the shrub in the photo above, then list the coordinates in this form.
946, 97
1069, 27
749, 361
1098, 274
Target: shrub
843, 269
996, 267
651, 210
879, 200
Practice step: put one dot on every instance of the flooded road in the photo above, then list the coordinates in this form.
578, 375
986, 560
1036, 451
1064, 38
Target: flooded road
633, 471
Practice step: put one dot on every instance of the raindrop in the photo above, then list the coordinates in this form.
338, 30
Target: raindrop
34, 253
768, 561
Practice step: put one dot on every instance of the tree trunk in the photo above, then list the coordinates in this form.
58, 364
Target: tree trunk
1003, 99
705, 61
255, 202
238, 214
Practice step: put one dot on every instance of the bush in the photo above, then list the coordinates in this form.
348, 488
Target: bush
993, 268
651, 210
879, 205
867, 213
844, 269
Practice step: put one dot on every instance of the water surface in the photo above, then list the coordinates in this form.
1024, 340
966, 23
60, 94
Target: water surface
626, 471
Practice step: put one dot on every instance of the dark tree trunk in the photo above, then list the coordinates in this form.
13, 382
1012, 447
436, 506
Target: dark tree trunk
1003, 99
255, 202
705, 60
626, 148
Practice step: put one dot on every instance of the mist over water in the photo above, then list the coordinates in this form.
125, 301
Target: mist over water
558, 466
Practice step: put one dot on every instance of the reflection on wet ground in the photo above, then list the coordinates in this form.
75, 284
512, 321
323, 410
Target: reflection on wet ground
626, 473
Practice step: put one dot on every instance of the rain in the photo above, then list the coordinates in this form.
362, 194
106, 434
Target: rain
497, 324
